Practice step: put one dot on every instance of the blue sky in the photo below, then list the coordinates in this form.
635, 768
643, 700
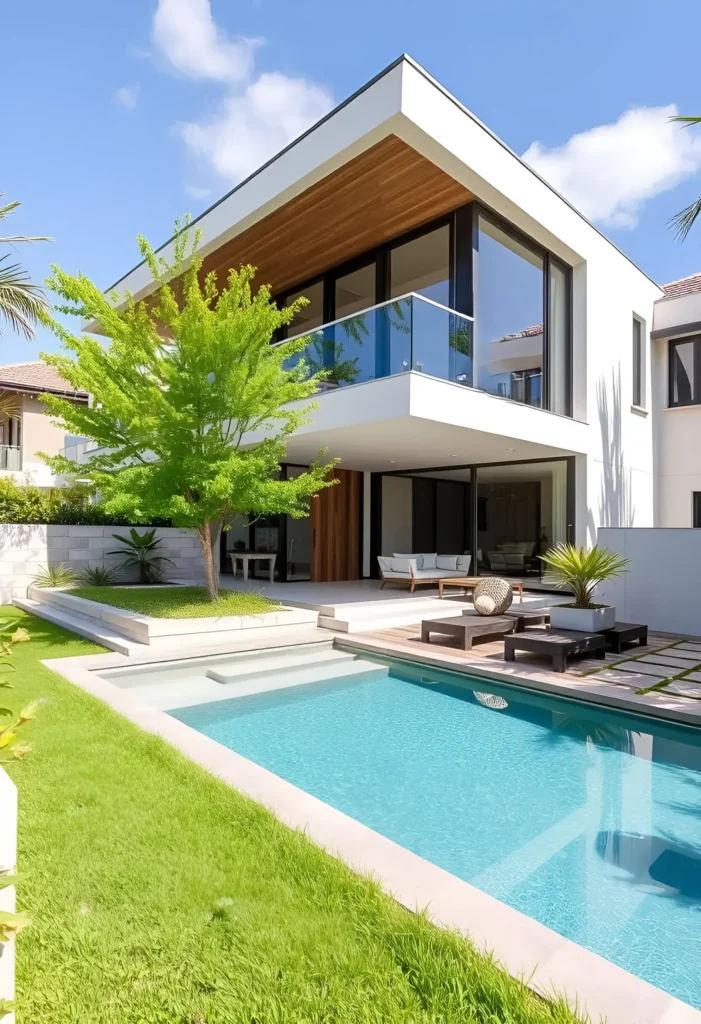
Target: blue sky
122, 116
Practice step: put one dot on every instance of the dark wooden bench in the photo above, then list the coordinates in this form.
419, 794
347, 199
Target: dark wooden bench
559, 645
468, 628
625, 633
524, 619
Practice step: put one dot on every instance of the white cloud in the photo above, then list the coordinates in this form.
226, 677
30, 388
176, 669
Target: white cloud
127, 96
197, 192
258, 114
251, 127
187, 36
609, 171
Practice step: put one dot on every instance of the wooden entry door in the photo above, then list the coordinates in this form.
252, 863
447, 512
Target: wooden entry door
336, 517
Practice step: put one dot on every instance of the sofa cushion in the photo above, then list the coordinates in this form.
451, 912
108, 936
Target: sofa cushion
384, 563
428, 561
464, 563
417, 558
402, 565
447, 562
428, 574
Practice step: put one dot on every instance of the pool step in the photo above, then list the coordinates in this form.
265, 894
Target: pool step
188, 693
245, 668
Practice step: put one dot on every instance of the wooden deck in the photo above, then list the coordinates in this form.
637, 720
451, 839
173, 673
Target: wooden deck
493, 652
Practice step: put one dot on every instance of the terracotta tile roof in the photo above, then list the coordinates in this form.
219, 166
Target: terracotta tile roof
528, 332
684, 286
34, 377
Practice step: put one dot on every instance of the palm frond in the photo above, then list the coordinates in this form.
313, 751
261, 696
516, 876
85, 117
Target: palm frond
22, 304
681, 223
581, 569
5, 211
686, 120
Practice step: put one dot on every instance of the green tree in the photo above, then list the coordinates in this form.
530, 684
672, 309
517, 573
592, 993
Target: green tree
22, 304
191, 402
683, 222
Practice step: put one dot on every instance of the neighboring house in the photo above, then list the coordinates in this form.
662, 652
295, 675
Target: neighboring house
25, 426
676, 342
498, 396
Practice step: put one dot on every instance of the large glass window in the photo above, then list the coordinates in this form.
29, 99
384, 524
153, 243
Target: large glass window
509, 315
685, 371
522, 512
313, 314
423, 266
355, 291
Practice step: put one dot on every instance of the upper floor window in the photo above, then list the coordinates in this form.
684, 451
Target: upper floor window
422, 265
696, 495
638, 363
685, 371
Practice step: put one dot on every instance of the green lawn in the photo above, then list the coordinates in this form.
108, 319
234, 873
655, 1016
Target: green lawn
178, 602
161, 896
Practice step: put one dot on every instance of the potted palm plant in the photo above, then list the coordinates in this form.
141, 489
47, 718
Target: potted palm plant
581, 571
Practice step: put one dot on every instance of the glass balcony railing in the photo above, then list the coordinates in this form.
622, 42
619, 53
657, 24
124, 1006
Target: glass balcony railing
407, 333
10, 457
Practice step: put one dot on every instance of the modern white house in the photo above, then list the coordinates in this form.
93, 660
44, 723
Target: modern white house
498, 369
26, 428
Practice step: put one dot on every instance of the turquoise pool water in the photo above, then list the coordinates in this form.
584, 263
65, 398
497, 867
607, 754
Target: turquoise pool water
587, 820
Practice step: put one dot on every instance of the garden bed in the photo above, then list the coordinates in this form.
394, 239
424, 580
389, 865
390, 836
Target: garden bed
178, 602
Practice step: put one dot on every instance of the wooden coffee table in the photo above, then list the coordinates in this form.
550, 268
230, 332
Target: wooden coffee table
559, 646
470, 582
468, 628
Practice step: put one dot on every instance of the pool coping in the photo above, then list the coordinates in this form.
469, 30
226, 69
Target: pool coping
547, 961
586, 689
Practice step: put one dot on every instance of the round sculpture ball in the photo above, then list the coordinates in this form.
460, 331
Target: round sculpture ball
492, 597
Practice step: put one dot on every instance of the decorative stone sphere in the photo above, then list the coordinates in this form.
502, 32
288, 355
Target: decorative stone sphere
492, 596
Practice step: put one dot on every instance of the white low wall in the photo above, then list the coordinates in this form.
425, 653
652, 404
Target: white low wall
662, 587
27, 549
8, 856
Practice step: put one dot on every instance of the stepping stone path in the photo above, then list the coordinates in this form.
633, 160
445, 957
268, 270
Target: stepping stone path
653, 668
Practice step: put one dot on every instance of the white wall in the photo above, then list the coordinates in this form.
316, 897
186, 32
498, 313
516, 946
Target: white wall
8, 855
679, 464
661, 587
27, 549
396, 515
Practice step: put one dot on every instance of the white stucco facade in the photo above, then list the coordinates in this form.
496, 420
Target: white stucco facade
413, 420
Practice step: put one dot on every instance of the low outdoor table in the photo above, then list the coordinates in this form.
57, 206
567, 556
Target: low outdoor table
559, 646
540, 617
470, 582
468, 628
625, 633
253, 556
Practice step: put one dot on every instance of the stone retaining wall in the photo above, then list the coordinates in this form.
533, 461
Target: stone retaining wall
27, 549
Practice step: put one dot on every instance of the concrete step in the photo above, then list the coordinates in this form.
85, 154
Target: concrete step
387, 614
83, 627
279, 663
189, 693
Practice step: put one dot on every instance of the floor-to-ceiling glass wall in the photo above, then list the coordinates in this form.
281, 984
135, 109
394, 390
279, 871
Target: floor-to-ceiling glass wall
522, 511
509, 315
519, 510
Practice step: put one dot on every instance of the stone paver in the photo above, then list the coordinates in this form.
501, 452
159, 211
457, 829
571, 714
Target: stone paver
689, 647
683, 689
656, 671
693, 677
693, 657
635, 682
666, 660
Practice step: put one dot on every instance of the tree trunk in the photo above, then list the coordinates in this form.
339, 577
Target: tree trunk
210, 574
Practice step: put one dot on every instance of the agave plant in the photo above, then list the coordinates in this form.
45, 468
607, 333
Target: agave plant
140, 552
100, 576
581, 570
55, 576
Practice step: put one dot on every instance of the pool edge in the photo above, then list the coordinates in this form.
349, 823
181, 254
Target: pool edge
525, 948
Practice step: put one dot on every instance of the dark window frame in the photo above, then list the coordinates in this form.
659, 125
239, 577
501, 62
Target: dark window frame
696, 383
696, 509
464, 249
638, 362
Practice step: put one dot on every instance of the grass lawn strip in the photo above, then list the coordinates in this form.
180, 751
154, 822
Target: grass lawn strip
160, 895
178, 602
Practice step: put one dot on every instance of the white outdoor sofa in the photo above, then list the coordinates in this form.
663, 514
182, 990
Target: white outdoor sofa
422, 568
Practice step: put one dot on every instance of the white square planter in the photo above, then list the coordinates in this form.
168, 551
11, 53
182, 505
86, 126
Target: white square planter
586, 620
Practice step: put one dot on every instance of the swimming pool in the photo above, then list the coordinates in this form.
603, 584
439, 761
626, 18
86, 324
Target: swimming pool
586, 820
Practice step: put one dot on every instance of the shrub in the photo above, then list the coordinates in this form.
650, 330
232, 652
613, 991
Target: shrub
54, 576
582, 570
100, 576
69, 506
